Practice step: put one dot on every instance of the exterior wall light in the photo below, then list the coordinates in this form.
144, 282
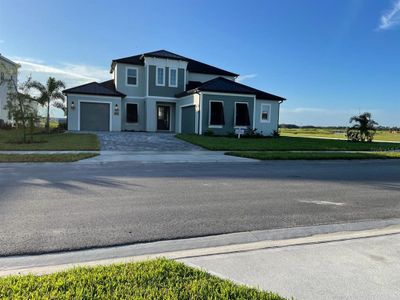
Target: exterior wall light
72, 105
116, 109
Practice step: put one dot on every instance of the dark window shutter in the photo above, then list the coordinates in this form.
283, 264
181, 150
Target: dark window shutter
217, 113
131, 113
242, 115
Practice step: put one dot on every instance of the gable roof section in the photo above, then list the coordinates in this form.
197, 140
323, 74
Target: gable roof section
223, 85
106, 88
193, 65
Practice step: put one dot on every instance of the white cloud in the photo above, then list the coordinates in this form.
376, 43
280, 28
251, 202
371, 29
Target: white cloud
391, 17
71, 74
242, 78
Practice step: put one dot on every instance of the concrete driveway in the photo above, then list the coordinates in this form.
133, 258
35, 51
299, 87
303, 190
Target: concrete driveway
143, 141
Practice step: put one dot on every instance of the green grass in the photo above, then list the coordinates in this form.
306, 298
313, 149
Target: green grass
68, 157
285, 155
11, 140
156, 279
282, 144
382, 135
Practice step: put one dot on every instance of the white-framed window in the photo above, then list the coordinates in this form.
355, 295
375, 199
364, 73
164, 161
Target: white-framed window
132, 113
242, 115
216, 118
160, 76
132, 76
173, 77
265, 114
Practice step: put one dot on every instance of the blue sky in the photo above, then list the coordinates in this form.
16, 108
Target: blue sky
331, 59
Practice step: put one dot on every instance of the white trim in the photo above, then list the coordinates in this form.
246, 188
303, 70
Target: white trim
137, 76
201, 113
147, 80
157, 84
254, 112
209, 114
169, 77
94, 101
126, 113
269, 113
134, 97
234, 115
229, 94
161, 98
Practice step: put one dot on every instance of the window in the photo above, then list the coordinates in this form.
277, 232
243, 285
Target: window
160, 76
2, 76
265, 112
173, 77
216, 114
132, 76
242, 117
131, 113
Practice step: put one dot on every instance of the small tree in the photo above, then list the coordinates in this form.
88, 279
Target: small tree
50, 94
20, 107
364, 129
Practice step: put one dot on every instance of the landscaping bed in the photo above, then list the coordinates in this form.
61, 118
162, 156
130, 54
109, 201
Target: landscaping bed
282, 144
11, 140
155, 279
310, 155
67, 157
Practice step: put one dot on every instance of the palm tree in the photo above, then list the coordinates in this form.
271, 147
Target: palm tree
363, 130
49, 94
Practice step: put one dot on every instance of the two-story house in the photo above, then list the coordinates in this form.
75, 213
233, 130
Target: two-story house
163, 91
8, 71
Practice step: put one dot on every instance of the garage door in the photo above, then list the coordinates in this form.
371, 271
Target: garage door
188, 119
94, 116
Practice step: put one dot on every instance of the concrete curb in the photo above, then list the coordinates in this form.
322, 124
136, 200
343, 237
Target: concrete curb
194, 247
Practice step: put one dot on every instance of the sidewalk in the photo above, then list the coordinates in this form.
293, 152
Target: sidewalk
366, 268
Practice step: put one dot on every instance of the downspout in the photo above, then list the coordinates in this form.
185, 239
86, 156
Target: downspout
199, 125
279, 113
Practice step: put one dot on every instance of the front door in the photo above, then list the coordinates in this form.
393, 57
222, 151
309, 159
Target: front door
163, 117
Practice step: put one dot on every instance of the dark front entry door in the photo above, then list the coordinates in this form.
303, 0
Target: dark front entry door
163, 117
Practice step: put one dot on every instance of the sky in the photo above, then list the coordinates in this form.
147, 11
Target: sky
330, 59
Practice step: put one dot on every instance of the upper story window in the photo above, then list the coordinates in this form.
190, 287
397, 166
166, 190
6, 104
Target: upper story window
160, 76
242, 117
265, 113
2, 76
132, 76
173, 77
216, 114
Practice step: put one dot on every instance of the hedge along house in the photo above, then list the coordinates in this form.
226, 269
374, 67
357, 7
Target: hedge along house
166, 92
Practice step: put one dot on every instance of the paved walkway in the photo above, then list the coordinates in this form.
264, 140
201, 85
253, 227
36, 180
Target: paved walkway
355, 269
143, 141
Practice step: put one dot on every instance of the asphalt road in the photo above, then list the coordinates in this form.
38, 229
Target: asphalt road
56, 207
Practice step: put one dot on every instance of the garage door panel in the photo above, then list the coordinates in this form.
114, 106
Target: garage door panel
188, 119
94, 116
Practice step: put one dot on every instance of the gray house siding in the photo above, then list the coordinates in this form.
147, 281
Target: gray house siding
74, 114
165, 91
229, 111
267, 128
120, 83
204, 77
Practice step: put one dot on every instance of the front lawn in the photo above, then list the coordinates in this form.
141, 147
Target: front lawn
156, 279
11, 140
282, 144
286, 155
67, 157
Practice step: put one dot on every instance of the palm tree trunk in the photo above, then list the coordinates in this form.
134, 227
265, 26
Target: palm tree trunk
48, 118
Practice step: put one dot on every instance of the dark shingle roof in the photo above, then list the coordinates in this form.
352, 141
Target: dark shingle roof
223, 85
106, 88
193, 65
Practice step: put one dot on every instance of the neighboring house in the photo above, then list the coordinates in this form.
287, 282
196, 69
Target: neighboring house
8, 71
163, 91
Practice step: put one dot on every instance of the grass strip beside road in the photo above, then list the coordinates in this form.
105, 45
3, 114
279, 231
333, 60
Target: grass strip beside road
154, 279
282, 144
310, 155
10, 140
68, 157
